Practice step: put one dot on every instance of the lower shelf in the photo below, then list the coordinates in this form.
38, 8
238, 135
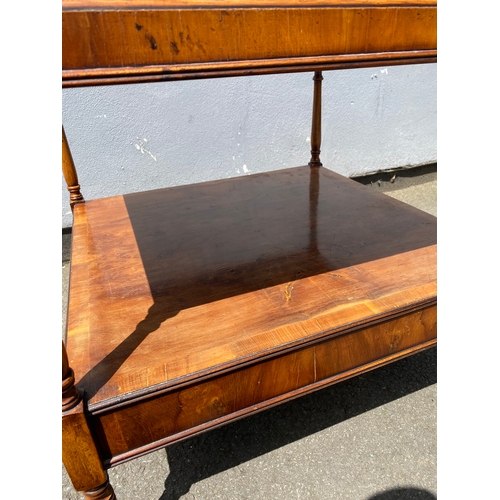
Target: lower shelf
194, 305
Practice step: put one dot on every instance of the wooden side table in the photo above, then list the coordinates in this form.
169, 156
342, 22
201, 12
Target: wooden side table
196, 305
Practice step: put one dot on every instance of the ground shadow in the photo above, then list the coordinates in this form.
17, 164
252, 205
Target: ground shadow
404, 494
226, 447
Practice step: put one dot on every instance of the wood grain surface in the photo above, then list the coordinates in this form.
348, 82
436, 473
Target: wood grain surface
232, 4
80, 455
69, 172
176, 284
315, 160
106, 42
130, 430
196, 305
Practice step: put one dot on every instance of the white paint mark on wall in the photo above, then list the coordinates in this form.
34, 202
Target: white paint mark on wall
245, 169
142, 149
308, 139
385, 70
101, 116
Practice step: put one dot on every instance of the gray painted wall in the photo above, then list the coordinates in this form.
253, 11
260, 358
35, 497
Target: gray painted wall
135, 137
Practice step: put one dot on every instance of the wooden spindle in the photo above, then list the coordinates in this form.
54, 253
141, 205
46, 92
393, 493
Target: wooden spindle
104, 492
84, 466
80, 455
69, 171
316, 121
70, 394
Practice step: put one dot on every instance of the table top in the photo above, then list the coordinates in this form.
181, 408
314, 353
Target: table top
177, 283
124, 41
234, 4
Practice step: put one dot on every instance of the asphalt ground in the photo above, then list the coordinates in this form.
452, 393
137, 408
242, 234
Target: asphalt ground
373, 437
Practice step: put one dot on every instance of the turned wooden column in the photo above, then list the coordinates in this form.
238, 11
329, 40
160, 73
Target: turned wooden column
104, 492
80, 454
70, 394
69, 171
316, 121
315, 162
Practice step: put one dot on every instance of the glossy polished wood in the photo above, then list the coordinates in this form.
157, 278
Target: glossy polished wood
103, 492
217, 274
315, 160
205, 404
80, 451
118, 42
69, 172
233, 4
193, 306
70, 395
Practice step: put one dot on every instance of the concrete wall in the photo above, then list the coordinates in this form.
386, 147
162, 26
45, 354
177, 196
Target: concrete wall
135, 137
